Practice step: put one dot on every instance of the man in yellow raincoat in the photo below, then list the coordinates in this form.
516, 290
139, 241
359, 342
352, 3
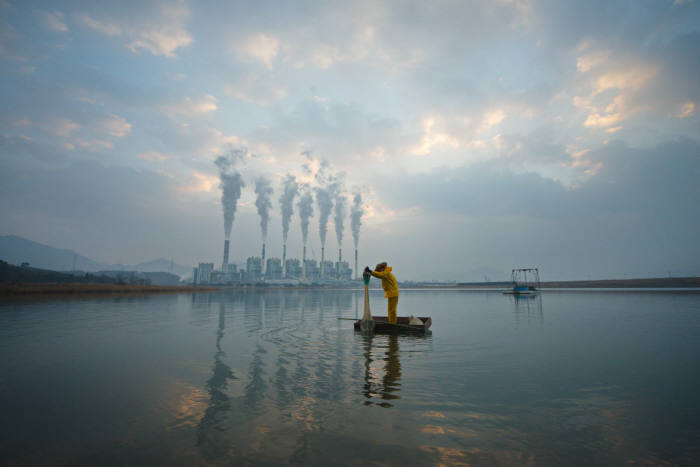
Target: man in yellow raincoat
390, 286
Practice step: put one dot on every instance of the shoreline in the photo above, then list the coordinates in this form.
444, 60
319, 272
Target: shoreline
8, 290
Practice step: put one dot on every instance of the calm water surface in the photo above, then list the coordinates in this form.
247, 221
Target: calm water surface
275, 378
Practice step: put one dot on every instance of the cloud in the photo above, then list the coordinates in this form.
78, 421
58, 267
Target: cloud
116, 126
104, 27
592, 60
687, 109
193, 107
200, 182
54, 21
614, 91
260, 47
63, 127
153, 156
95, 144
432, 139
156, 28
262, 89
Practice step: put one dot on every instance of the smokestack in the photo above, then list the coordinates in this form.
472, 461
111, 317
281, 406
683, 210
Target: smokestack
284, 260
357, 273
340, 258
262, 267
323, 264
225, 262
303, 263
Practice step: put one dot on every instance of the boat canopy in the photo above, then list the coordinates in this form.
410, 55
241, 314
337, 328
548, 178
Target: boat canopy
525, 279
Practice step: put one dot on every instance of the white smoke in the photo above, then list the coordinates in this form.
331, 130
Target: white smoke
290, 188
231, 183
306, 210
340, 213
356, 213
263, 190
326, 191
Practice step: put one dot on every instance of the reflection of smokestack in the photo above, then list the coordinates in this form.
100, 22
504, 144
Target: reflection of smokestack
284, 260
357, 274
262, 267
303, 263
224, 264
323, 264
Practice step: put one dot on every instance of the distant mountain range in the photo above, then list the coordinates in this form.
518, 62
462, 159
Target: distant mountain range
17, 250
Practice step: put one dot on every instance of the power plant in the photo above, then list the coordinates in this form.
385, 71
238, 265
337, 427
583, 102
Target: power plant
329, 197
274, 271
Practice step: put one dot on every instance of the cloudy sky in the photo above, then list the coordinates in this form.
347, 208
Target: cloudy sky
482, 135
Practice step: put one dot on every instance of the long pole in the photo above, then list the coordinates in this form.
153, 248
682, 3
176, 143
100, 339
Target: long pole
367, 323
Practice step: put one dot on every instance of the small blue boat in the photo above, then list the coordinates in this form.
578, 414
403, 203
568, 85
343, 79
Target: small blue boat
522, 285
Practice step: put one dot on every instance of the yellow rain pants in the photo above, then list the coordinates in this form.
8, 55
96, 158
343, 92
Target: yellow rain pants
393, 302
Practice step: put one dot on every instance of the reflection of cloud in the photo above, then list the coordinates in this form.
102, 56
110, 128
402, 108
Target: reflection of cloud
188, 405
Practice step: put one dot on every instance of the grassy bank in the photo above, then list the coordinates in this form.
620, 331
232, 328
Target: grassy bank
80, 288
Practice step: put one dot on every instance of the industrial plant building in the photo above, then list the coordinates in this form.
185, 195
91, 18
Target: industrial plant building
275, 270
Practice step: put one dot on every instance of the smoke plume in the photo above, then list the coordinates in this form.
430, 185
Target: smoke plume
306, 210
340, 213
290, 188
326, 191
263, 203
231, 183
356, 213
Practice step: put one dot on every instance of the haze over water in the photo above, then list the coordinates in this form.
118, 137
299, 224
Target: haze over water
274, 377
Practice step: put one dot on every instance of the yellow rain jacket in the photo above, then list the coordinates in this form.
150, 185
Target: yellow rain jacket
389, 284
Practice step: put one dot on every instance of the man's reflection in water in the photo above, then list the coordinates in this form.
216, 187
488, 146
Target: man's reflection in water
390, 382
392, 370
211, 432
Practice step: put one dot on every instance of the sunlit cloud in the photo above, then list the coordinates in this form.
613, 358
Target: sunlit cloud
687, 109
632, 78
200, 183
592, 60
116, 126
259, 47
433, 138
491, 119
